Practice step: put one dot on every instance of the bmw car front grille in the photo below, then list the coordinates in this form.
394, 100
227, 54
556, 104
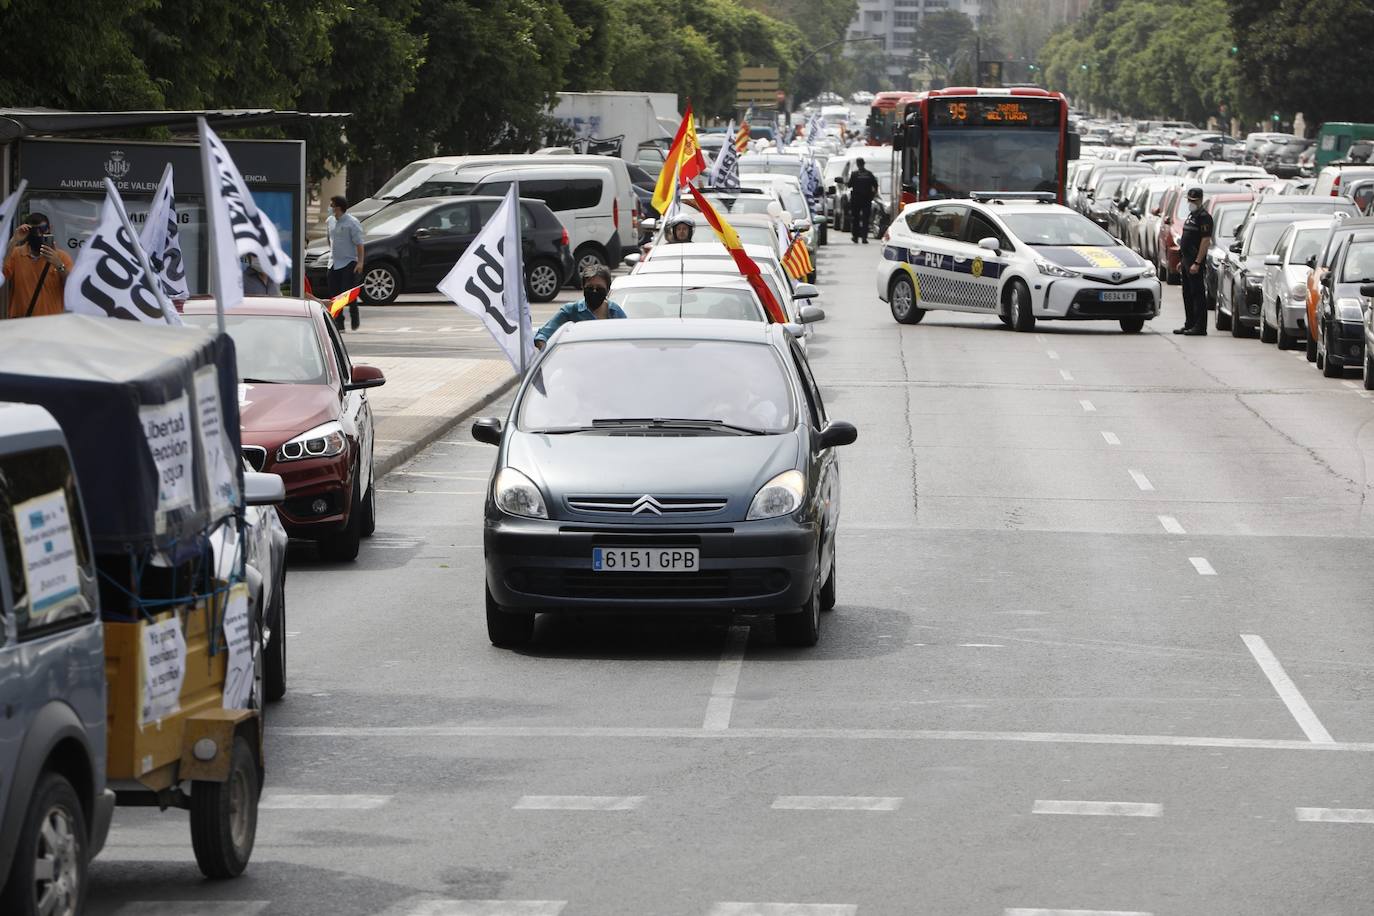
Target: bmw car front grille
256, 456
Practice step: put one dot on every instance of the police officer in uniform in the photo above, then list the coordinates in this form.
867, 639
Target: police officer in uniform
1193, 243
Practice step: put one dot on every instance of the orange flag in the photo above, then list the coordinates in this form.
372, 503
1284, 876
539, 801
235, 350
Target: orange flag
730, 239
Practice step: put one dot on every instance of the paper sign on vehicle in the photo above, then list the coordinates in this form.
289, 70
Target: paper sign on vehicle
164, 668
238, 675
167, 427
48, 551
219, 471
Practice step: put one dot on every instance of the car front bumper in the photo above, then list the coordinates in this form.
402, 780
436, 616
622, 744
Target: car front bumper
1294, 317
765, 566
1347, 349
1081, 300
308, 481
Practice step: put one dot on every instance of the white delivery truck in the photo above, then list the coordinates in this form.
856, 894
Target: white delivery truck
638, 117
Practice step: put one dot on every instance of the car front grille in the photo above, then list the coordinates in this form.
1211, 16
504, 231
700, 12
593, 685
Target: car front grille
653, 586
1087, 305
255, 455
647, 506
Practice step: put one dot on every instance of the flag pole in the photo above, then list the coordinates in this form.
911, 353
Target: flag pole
208, 174
522, 305
153, 280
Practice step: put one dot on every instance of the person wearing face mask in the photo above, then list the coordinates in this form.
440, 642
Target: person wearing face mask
594, 304
35, 271
345, 255
256, 282
1193, 243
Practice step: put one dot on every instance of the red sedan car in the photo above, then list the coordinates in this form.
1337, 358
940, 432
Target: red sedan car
305, 416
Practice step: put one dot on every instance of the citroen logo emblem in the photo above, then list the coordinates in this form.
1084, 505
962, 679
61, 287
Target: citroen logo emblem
646, 503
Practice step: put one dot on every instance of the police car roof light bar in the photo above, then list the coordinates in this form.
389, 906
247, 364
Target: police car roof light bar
1044, 197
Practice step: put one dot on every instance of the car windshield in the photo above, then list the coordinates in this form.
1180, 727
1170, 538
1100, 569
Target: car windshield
736, 383
1307, 245
1263, 237
966, 159
763, 165
689, 302
744, 203
1226, 219
1109, 186
407, 178
1056, 229
447, 184
394, 218
272, 348
1359, 263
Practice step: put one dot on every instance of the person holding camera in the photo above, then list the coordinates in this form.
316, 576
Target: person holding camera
35, 271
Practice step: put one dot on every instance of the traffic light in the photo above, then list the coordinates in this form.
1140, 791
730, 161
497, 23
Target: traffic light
1274, 117
1234, 50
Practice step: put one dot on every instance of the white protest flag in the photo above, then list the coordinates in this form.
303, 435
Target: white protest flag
8, 208
815, 129
811, 179
161, 238
237, 227
111, 277
725, 170
489, 282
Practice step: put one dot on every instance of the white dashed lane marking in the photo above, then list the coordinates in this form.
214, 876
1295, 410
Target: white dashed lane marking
722, 703
1041, 912
1111, 438
272, 801
1336, 815
198, 907
1087, 406
1051, 354
1202, 566
1066, 375
836, 803
489, 908
1288, 691
1171, 524
579, 802
1141, 480
784, 909
1097, 808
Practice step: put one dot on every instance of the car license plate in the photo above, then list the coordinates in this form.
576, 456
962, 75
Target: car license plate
1120, 295
646, 559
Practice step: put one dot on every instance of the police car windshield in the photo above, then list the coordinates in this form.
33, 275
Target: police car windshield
1056, 229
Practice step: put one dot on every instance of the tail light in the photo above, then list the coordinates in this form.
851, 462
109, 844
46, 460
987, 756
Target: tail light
908, 198
1336, 186
887, 234
564, 240
615, 213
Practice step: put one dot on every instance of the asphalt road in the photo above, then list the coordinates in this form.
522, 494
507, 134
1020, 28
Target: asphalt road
1103, 646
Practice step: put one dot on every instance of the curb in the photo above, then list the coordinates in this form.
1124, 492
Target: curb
408, 451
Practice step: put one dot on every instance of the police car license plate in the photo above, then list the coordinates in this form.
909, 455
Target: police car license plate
646, 559
1118, 295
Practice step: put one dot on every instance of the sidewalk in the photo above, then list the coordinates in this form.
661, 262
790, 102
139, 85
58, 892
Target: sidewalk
424, 399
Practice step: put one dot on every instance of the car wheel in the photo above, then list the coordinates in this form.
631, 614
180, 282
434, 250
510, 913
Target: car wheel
1223, 319
1330, 367
1311, 348
543, 280
48, 876
811, 278
342, 546
1368, 371
1161, 274
369, 510
1132, 325
381, 284
590, 256
224, 816
1283, 339
901, 298
823, 233
1019, 307
1267, 332
828, 588
506, 629
274, 653
801, 628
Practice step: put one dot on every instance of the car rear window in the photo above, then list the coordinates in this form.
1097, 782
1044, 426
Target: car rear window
689, 302
273, 349
740, 383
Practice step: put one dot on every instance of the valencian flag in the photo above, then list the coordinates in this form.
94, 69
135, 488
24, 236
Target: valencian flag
730, 239
797, 260
683, 163
340, 302
742, 138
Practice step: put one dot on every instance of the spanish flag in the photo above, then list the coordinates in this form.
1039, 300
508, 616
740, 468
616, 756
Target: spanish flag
742, 137
683, 163
340, 302
797, 260
730, 239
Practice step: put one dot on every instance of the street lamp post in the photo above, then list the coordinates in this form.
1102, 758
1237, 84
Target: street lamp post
807, 59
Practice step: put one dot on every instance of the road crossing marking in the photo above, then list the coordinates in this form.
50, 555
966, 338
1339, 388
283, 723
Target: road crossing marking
836, 803
198, 907
1097, 808
489, 908
1171, 524
579, 802
1040, 338
1051, 354
1017, 911
271, 801
722, 703
1066, 375
1202, 566
784, 909
1111, 438
1141, 480
1288, 691
1087, 406
1336, 815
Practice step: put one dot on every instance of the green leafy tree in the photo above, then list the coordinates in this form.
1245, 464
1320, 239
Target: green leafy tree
946, 37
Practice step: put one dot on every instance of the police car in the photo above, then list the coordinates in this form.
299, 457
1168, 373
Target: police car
1020, 257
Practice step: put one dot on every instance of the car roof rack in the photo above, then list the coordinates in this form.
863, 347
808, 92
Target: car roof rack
1043, 197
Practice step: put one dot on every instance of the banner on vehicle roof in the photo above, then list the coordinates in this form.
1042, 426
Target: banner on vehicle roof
725, 170
112, 276
489, 282
8, 208
161, 239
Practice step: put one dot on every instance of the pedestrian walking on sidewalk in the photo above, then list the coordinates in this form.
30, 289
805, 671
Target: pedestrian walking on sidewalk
594, 304
345, 255
863, 187
1193, 243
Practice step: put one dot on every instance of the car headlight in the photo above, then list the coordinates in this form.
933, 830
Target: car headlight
1053, 270
323, 441
516, 494
782, 495
1299, 291
1145, 274
1349, 310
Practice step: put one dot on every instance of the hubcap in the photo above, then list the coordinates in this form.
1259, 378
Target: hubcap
543, 281
379, 284
240, 809
901, 298
589, 260
56, 873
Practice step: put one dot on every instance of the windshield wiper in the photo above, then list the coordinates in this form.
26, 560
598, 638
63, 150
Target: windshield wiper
676, 423
258, 381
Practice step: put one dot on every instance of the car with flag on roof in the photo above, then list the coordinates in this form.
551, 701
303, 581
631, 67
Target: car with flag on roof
1019, 257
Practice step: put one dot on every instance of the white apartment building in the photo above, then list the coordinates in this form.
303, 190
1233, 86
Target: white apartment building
896, 21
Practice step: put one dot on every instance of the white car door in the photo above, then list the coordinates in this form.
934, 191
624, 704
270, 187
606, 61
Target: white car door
940, 259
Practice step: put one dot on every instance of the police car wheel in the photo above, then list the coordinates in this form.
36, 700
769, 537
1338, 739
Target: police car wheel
1022, 318
1132, 325
1223, 320
902, 300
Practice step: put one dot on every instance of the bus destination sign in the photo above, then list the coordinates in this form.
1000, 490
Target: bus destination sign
974, 111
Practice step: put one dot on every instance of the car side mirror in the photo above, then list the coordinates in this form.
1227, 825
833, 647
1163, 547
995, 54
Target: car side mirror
836, 433
810, 314
989, 243
365, 377
632, 258
1367, 290
805, 291
1137, 212
1312, 262
649, 225
261, 489
1272, 260
1235, 247
1155, 212
488, 430
422, 233
801, 225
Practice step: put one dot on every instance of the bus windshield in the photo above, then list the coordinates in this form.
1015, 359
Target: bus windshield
966, 159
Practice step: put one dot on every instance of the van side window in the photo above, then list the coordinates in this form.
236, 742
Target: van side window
47, 556
562, 194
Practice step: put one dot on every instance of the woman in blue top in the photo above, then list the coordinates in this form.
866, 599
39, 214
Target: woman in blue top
596, 286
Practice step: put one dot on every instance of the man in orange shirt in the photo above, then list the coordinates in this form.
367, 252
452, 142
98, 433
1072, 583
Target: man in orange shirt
32, 265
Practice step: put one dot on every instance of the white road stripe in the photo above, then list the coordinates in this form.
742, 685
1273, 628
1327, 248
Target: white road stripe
1018, 911
1066, 375
436, 492
1097, 808
1141, 480
271, 801
579, 802
722, 703
489, 908
784, 909
1039, 338
1051, 354
981, 645
1336, 815
439, 476
836, 803
1288, 691
1087, 406
1349, 384
1111, 438
1171, 524
1202, 566
198, 907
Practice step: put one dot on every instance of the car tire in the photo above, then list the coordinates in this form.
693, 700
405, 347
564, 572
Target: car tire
1311, 348
369, 510
381, 284
1238, 329
505, 629
224, 816
342, 546
1267, 334
1283, 339
802, 628
1368, 371
274, 653
543, 279
1132, 325
1223, 320
53, 810
901, 299
823, 233
828, 588
1330, 368
811, 278
1019, 307
1161, 274
589, 256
